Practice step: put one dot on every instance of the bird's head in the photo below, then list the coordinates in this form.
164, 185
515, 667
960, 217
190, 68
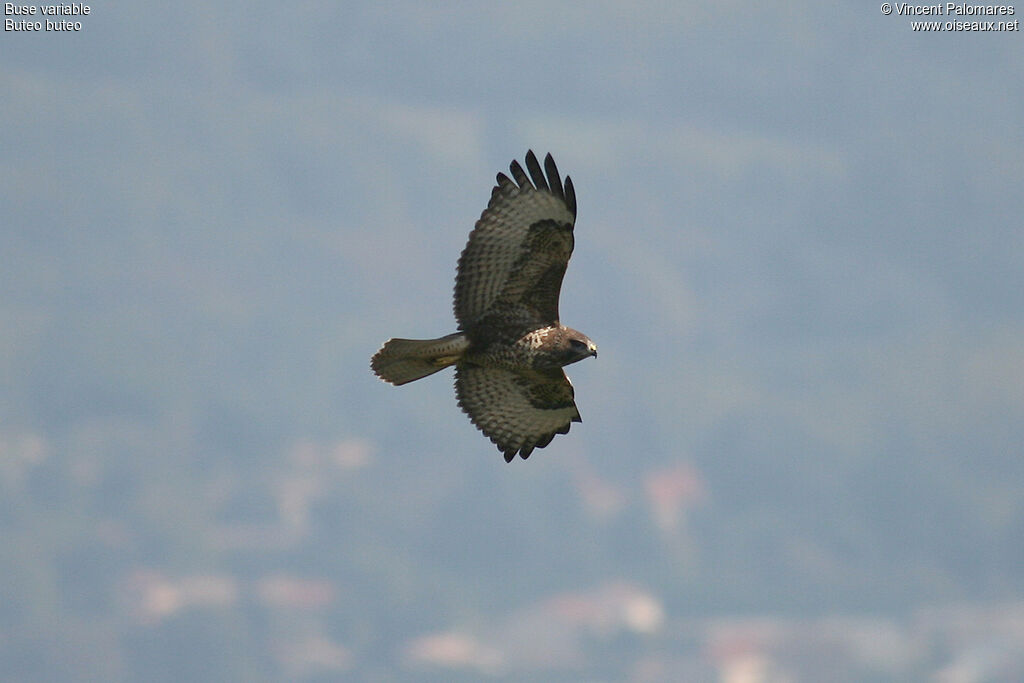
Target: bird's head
578, 346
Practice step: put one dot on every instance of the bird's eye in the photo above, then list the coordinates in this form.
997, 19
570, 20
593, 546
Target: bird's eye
576, 343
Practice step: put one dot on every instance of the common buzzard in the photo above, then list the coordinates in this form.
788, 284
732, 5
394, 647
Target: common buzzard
510, 348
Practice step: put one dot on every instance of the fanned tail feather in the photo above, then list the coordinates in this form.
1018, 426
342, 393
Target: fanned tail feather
401, 361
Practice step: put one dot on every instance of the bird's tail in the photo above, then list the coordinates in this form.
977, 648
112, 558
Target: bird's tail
401, 361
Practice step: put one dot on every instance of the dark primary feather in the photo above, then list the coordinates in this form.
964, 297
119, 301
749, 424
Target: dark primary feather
517, 172
555, 183
539, 181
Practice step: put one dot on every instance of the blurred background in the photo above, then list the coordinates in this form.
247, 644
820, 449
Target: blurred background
799, 248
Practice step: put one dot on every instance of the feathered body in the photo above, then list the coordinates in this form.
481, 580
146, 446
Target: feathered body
510, 347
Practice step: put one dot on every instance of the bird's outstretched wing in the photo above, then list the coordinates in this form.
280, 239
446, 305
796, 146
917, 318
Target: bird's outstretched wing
513, 264
518, 411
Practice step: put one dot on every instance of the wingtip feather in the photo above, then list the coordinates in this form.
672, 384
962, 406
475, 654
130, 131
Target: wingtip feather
536, 172
570, 196
554, 181
519, 174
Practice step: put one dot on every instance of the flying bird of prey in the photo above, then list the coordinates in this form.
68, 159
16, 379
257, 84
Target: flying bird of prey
510, 346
